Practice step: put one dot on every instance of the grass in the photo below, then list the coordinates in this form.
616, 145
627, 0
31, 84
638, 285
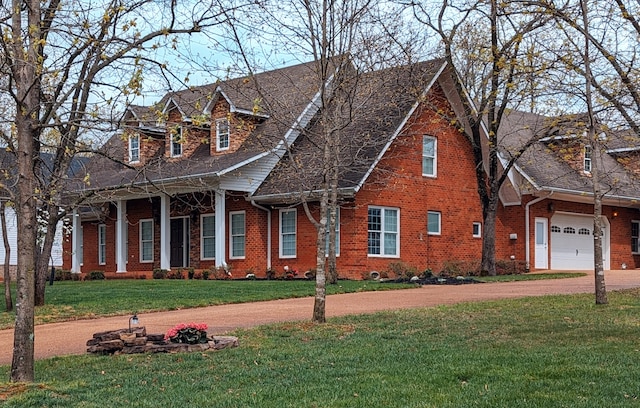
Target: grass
529, 277
68, 300
554, 351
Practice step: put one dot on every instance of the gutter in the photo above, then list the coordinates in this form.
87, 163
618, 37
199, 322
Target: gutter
527, 250
253, 203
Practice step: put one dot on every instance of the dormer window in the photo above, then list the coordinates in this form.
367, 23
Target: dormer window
176, 143
222, 134
587, 159
134, 148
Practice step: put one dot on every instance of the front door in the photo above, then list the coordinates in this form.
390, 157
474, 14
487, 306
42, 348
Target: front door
542, 244
179, 242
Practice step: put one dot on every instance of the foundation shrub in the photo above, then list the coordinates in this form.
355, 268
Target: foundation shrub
402, 270
95, 275
159, 273
175, 274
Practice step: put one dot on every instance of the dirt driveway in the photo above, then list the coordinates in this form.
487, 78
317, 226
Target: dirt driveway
58, 339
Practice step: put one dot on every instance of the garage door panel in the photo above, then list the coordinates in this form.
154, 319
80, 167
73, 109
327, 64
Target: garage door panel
572, 242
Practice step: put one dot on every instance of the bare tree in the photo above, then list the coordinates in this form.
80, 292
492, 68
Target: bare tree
346, 39
72, 66
492, 45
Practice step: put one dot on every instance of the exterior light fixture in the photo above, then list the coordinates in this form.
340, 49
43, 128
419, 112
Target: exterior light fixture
133, 320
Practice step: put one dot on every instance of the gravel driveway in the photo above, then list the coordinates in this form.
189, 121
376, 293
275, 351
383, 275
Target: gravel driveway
58, 339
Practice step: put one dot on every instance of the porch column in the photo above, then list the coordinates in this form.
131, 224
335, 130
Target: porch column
76, 241
165, 232
221, 223
121, 236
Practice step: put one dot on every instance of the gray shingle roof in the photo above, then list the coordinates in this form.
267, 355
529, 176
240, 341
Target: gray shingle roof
276, 97
555, 162
378, 103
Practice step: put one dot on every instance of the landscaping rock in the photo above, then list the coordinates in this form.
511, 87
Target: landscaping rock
117, 342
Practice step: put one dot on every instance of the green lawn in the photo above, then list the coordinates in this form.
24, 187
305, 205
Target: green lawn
77, 300
554, 351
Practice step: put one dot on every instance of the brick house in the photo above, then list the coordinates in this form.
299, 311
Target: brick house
217, 175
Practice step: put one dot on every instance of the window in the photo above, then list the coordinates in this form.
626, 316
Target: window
237, 232
584, 231
146, 240
587, 159
555, 228
477, 229
429, 158
433, 223
569, 230
383, 228
176, 143
222, 134
102, 244
208, 236
288, 233
635, 237
134, 148
337, 232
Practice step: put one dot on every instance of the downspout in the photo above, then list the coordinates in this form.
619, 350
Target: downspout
527, 250
253, 203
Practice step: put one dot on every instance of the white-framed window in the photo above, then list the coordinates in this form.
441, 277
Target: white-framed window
635, 237
429, 156
337, 232
288, 233
176, 142
207, 236
102, 244
222, 134
237, 232
433, 223
134, 148
383, 225
477, 229
587, 159
146, 240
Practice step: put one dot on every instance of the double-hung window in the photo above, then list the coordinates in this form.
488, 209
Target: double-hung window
146, 240
635, 237
587, 159
238, 234
134, 148
433, 223
288, 233
176, 142
222, 134
102, 244
383, 225
429, 156
208, 236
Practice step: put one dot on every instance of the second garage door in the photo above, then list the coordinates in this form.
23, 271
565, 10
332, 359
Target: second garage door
572, 242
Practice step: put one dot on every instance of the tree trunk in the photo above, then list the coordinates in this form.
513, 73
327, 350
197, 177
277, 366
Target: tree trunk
488, 264
22, 366
42, 264
8, 301
26, 70
319, 315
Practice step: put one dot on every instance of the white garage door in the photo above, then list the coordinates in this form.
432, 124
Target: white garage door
572, 242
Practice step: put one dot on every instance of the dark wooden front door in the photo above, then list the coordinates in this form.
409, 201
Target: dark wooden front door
179, 242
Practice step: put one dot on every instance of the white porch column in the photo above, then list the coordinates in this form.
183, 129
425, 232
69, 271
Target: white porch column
121, 236
76, 242
221, 223
165, 232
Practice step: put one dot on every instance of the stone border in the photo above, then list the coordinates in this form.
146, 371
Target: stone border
122, 341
